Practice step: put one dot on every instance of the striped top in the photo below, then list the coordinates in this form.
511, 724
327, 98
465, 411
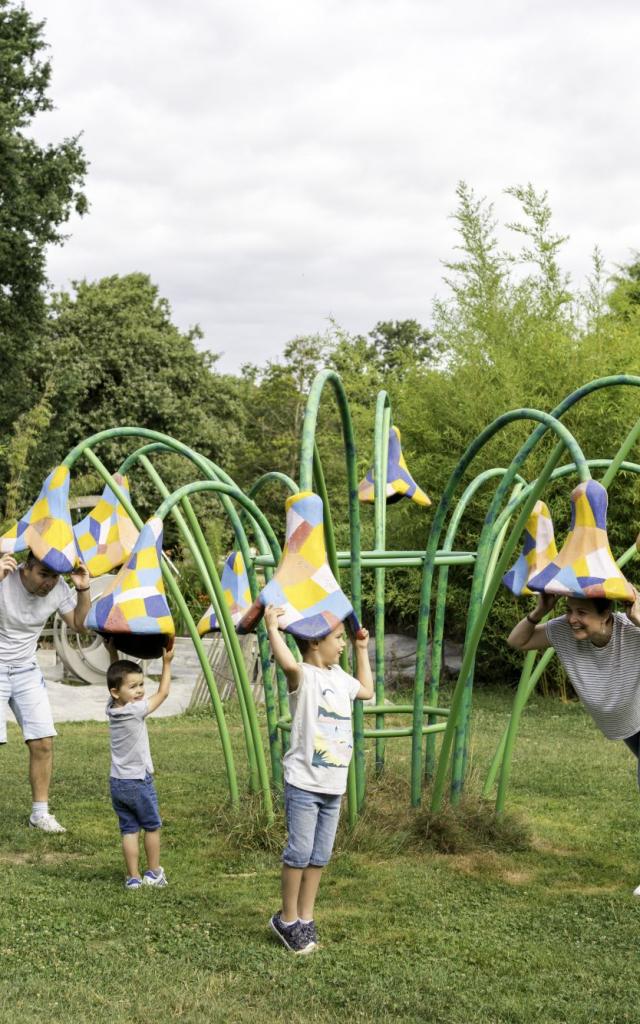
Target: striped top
606, 679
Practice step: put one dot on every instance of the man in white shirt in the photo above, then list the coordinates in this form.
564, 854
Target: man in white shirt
29, 595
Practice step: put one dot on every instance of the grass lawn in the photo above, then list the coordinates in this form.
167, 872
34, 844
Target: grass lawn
542, 930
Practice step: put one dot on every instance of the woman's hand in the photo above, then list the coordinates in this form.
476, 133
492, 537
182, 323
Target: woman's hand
632, 609
546, 603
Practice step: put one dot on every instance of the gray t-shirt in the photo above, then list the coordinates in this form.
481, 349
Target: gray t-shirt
606, 679
130, 751
23, 615
321, 732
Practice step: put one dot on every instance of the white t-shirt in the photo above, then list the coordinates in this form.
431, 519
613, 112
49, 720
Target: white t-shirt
321, 732
23, 615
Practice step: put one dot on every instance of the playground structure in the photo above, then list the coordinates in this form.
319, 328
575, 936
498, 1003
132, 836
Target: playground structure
512, 502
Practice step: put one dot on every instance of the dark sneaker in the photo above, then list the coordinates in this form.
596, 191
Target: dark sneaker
294, 937
310, 932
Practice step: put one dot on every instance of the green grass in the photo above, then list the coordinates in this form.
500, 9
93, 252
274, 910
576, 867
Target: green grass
530, 922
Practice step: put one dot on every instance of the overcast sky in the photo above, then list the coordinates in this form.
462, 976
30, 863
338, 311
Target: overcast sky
273, 164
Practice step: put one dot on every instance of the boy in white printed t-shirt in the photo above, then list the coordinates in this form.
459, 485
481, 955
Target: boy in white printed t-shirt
315, 767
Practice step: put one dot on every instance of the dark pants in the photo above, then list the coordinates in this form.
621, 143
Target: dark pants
633, 743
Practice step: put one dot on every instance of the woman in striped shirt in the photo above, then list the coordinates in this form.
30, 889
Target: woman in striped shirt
599, 649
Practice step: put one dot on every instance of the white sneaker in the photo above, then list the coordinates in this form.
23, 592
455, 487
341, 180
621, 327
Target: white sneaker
46, 823
151, 878
636, 891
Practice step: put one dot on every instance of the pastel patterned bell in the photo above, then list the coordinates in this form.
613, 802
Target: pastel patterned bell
303, 583
400, 483
585, 566
107, 536
538, 549
237, 594
46, 528
134, 606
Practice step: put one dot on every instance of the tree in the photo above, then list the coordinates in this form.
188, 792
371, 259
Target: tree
40, 186
401, 343
624, 297
119, 360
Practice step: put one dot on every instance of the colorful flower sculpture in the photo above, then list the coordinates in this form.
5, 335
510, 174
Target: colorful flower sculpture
538, 549
237, 594
400, 483
303, 583
585, 566
46, 528
134, 609
107, 536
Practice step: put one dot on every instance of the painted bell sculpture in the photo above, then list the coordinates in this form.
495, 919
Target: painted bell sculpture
46, 528
133, 609
106, 537
303, 583
400, 483
538, 549
237, 594
585, 566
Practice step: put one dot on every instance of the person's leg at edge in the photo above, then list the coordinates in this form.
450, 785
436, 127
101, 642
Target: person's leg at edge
131, 851
40, 767
152, 850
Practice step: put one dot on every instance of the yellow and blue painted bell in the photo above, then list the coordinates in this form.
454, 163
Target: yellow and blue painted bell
46, 528
585, 566
134, 609
538, 549
400, 483
303, 584
237, 594
107, 536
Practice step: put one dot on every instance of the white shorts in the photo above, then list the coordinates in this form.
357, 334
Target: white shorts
23, 688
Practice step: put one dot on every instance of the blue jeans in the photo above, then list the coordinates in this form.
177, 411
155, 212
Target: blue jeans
312, 822
135, 801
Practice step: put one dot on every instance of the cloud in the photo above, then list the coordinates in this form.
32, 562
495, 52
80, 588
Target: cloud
272, 164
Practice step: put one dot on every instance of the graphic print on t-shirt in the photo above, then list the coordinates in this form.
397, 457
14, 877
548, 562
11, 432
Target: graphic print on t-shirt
332, 743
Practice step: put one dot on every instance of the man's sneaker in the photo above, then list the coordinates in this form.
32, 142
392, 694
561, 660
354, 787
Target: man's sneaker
133, 883
46, 823
157, 878
293, 936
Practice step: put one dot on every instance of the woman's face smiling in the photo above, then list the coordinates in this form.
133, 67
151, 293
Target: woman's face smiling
585, 620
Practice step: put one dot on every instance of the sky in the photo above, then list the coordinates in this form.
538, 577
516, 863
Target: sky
276, 164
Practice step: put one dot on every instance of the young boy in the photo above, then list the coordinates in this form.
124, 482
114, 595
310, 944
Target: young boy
133, 793
315, 767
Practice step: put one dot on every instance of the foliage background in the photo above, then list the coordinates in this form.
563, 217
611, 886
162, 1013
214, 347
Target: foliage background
511, 330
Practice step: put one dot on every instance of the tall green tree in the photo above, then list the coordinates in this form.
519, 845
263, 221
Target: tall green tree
40, 186
118, 359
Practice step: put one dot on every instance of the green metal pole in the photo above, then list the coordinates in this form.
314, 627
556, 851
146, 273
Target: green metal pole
197, 546
176, 595
432, 546
441, 598
381, 459
307, 468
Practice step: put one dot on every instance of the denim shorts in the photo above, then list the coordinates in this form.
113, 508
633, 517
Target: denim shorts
22, 687
312, 822
135, 801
